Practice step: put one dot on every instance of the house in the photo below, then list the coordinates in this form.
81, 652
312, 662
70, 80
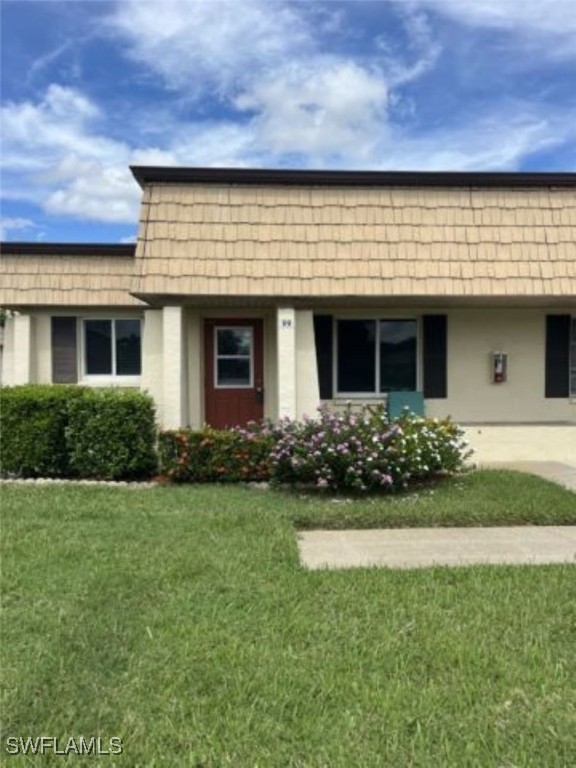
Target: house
257, 293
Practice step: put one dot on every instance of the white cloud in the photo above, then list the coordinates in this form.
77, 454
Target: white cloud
286, 100
266, 61
421, 52
322, 108
14, 224
93, 190
224, 143
69, 167
58, 145
45, 61
333, 116
59, 121
196, 45
549, 25
482, 144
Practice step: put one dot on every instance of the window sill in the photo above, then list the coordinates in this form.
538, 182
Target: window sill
111, 381
361, 396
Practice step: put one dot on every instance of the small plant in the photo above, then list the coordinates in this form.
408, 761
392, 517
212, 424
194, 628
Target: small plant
363, 451
211, 455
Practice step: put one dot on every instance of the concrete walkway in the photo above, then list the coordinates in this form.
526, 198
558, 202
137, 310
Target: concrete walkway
556, 471
425, 547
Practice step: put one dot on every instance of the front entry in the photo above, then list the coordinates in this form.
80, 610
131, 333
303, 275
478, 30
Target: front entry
234, 372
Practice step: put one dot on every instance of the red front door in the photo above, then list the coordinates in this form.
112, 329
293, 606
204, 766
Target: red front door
234, 372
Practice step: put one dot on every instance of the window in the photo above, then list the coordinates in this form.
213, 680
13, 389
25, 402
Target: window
374, 356
233, 357
112, 347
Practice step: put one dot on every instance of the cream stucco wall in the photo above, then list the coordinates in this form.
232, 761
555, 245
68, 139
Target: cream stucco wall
8, 353
24, 353
529, 442
270, 369
27, 349
42, 346
307, 387
472, 397
152, 352
286, 361
175, 405
472, 335
195, 369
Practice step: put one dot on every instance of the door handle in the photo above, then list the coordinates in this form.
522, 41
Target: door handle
259, 394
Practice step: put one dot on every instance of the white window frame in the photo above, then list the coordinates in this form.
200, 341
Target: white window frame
217, 357
376, 392
107, 378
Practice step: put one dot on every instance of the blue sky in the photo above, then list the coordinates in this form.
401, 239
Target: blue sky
91, 86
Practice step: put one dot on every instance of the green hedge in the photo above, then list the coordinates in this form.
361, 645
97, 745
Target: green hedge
70, 431
111, 435
209, 455
33, 421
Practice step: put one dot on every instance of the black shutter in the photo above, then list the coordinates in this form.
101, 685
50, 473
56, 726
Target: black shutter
324, 345
557, 356
64, 350
435, 333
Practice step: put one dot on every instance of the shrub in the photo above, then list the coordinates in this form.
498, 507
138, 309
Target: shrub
70, 431
342, 452
364, 452
33, 424
111, 435
209, 455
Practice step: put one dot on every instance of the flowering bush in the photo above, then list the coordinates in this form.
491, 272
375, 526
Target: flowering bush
362, 451
211, 455
342, 452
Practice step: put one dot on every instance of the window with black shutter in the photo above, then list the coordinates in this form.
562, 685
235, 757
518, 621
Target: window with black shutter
435, 356
112, 347
323, 338
64, 350
376, 355
557, 358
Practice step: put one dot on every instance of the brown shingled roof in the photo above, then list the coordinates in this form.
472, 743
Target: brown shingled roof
67, 274
227, 239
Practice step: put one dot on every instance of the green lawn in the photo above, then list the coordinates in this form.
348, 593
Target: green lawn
480, 498
180, 620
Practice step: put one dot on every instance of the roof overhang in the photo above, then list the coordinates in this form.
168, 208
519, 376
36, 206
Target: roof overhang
67, 249
145, 174
158, 301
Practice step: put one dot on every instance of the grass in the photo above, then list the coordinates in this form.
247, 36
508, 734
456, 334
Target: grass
480, 498
180, 620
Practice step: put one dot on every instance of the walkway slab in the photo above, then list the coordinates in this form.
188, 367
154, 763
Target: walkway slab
426, 547
556, 471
